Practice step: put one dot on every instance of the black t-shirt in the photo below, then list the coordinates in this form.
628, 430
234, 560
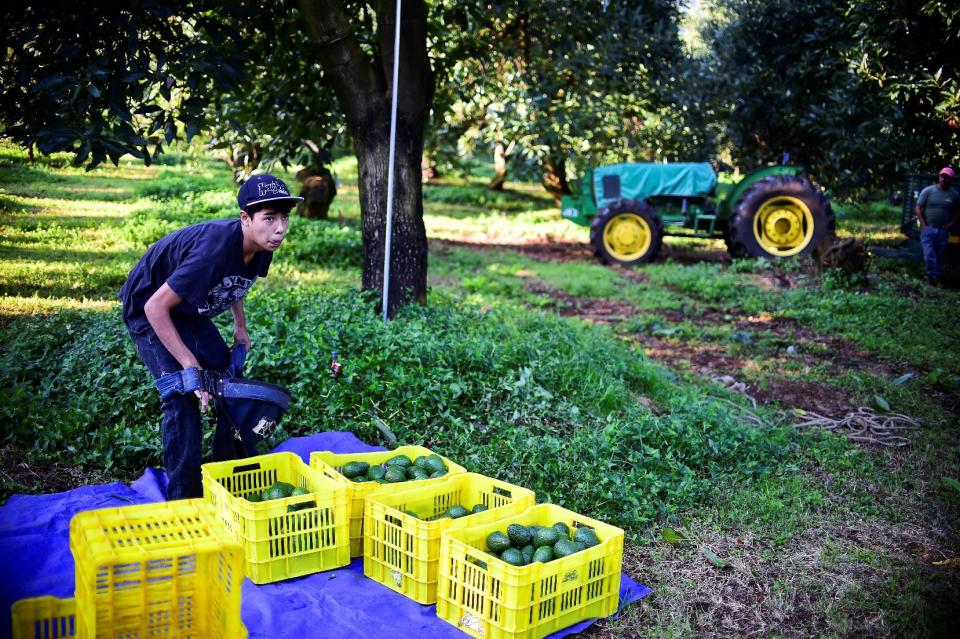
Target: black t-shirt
202, 263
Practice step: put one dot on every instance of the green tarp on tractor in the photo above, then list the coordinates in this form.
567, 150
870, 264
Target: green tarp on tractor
640, 181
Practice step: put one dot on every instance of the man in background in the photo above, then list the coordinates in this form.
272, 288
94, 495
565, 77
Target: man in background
938, 208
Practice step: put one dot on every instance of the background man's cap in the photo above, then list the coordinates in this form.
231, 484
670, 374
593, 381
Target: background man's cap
265, 188
947, 171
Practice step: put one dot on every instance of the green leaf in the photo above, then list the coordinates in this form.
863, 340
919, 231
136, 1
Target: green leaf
952, 483
903, 379
672, 537
714, 560
880, 402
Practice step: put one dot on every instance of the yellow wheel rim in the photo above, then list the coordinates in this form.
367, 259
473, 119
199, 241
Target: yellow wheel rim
783, 226
627, 237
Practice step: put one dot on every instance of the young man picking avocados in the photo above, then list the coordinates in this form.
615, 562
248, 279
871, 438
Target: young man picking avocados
170, 296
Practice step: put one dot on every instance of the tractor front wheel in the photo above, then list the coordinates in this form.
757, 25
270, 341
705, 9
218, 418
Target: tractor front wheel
779, 216
627, 233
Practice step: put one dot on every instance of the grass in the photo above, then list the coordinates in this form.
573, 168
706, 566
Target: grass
600, 388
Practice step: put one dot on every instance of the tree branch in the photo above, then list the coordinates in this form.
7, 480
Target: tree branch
357, 82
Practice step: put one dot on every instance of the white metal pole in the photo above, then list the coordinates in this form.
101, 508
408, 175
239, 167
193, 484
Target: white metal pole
393, 152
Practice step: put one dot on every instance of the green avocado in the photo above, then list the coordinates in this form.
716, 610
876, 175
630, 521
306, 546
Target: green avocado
519, 535
395, 474
543, 554
400, 460
355, 469
586, 536
545, 537
497, 542
512, 556
528, 552
435, 464
564, 548
416, 474
456, 512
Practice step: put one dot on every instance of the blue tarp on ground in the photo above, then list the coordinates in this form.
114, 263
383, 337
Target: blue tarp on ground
35, 560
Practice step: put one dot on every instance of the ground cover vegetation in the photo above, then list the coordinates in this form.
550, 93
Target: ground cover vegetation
627, 395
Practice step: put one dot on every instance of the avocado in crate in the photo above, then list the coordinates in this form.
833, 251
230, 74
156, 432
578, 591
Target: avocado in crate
291, 519
381, 472
402, 530
530, 575
170, 569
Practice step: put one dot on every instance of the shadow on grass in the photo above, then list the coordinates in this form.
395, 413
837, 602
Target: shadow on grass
472, 200
59, 254
31, 182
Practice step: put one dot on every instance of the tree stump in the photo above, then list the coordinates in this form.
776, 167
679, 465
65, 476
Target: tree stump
848, 255
318, 189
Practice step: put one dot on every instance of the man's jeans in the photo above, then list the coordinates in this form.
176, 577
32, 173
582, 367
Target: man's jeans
933, 240
182, 427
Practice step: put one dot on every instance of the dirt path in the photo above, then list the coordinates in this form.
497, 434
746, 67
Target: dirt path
831, 354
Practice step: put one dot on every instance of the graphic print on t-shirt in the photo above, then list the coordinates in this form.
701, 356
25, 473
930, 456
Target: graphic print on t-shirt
225, 294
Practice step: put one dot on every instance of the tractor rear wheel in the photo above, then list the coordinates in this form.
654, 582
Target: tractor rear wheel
779, 216
626, 232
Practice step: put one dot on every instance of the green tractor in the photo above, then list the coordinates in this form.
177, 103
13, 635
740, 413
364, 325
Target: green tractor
774, 212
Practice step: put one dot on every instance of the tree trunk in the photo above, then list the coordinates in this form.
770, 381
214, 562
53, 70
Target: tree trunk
362, 84
499, 168
408, 257
555, 178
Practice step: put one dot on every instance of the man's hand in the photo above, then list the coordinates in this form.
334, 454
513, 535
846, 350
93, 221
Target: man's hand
919, 211
202, 395
240, 336
204, 399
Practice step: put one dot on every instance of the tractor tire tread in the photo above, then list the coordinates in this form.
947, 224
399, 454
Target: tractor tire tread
740, 241
618, 207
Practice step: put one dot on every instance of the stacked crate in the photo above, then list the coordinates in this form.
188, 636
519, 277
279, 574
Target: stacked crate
154, 570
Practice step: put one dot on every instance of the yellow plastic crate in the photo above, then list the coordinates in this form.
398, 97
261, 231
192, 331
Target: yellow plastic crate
501, 601
330, 464
403, 552
279, 544
156, 570
50, 618
44, 618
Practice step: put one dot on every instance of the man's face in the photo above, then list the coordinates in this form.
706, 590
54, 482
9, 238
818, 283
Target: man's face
945, 180
266, 229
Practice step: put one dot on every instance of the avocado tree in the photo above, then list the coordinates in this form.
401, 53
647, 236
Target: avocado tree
114, 78
129, 77
567, 80
279, 112
851, 89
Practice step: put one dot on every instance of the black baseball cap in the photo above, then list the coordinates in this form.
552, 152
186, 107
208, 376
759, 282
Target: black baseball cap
265, 188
